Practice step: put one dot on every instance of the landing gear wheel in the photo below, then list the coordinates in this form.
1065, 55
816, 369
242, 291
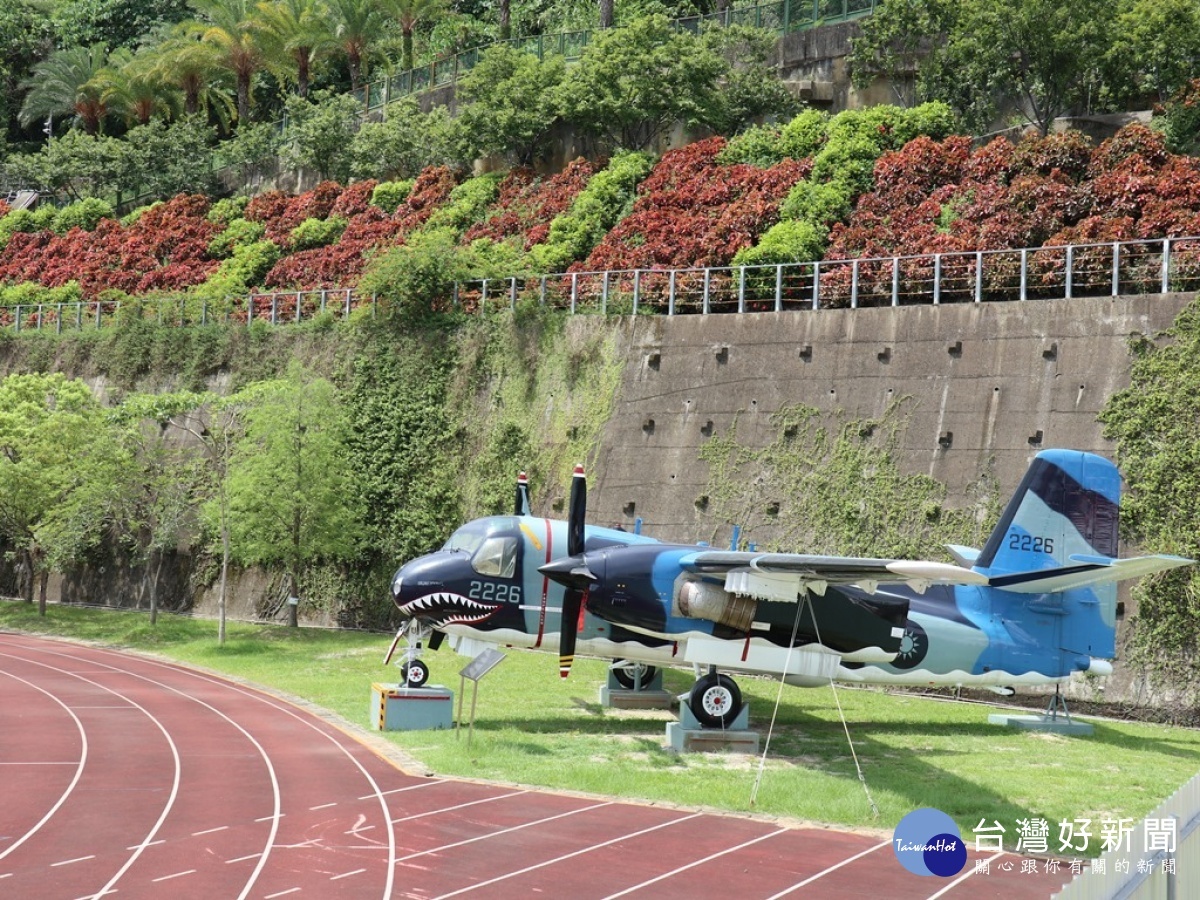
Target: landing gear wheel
415, 673
715, 701
629, 674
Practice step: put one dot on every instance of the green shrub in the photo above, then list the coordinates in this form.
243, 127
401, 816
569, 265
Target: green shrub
29, 293
765, 145
467, 204
789, 241
27, 221
418, 277
819, 202
241, 272
238, 233
85, 214
313, 233
223, 212
388, 195
607, 199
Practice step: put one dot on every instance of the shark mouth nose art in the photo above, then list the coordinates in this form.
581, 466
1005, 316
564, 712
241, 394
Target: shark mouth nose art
447, 608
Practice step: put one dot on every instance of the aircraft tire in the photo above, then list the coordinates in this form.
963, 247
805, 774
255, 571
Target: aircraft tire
625, 675
415, 673
715, 700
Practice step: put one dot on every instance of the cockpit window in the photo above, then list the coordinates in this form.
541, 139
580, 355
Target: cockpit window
497, 557
466, 538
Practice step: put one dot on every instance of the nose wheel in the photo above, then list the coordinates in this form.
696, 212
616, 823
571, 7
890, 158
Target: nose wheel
715, 700
414, 672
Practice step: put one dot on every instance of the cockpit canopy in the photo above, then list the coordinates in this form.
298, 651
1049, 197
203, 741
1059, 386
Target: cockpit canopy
492, 544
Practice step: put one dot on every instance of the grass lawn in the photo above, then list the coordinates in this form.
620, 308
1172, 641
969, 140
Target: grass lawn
533, 728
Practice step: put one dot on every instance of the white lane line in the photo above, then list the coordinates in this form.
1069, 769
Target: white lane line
961, 878
39, 762
188, 696
275, 817
323, 728
67, 862
503, 831
833, 868
243, 858
210, 831
83, 752
692, 865
150, 844
411, 787
322, 806
176, 875
294, 890
624, 837
346, 874
446, 809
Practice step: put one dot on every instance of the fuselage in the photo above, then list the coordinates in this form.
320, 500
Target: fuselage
484, 585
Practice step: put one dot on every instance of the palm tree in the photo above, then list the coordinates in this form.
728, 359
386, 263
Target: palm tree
298, 31
134, 88
229, 27
409, 14
193, 66
65, 83
357, 25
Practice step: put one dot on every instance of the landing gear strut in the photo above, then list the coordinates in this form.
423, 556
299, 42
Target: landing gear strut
413, 670
715, 700
633, 676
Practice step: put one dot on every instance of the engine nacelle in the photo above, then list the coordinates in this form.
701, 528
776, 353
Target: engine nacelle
702, 600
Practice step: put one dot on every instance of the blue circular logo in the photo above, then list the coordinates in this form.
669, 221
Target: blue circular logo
927, 842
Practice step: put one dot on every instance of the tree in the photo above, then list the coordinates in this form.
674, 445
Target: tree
409, 14
65, 83
1044, 56
134, 89
58, 467
1156, 48
116, 23
182, 58
291, 496
76, 164
895, 41
510, 102
751, 87
296, 33
633, 83
321, 133
229, 27
357, 25
158, 491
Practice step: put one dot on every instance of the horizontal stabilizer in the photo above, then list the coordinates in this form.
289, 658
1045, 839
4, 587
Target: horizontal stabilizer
1090, 571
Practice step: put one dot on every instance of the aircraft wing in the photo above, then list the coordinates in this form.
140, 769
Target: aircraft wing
780, 576
1089, 570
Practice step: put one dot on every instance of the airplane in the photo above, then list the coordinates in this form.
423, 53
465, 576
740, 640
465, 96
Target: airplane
1034, 606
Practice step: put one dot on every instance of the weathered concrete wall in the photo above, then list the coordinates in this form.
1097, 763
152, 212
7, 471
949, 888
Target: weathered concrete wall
988, 385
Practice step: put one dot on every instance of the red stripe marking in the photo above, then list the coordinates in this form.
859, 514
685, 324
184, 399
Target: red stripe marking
545, 583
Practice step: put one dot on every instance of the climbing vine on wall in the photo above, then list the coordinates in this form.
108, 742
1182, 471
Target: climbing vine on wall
1155, 424
836, 487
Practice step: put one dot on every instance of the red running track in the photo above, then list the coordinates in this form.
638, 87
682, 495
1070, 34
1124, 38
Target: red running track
128, 777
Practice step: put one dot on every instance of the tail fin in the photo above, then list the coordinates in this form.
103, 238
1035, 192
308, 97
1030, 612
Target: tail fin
1065, 508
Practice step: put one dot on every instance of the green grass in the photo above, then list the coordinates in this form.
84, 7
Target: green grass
533, 728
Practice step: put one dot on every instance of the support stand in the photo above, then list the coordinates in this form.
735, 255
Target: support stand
1056, 719
642, 696
689, 736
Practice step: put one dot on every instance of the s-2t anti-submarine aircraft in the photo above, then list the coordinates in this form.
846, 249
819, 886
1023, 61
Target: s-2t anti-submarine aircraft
1035, 605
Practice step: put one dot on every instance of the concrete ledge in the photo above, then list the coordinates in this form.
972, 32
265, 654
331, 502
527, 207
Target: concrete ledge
693, 740
1052, 724
396, 707
622, 698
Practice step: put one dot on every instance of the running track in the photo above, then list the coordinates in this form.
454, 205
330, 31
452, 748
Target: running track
127, 777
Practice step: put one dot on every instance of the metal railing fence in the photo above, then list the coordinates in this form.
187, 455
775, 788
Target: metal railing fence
782, 16
1159, 266
1081, 270
275, 308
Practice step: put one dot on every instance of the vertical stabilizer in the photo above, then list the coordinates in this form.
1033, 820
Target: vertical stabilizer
1065, 506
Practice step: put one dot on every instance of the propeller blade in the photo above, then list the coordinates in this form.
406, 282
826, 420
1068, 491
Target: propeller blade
577, 512
572, 606
521, 499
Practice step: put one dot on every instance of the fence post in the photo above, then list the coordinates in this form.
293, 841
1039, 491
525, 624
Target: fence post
1166, 265
299, 303
978, 276
816, 298
937, 279
98, 321
707, 277
604, 293
1024, 273
779, 286
58, 320
41, 315
574, 291
542, 292
895, 281
854, 284
637, 289
1070, 267
454, 296
17, 320
204, 311
742, 289
274, 309
513, 295
1116, 281
79, 316
483, 297
671, 294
